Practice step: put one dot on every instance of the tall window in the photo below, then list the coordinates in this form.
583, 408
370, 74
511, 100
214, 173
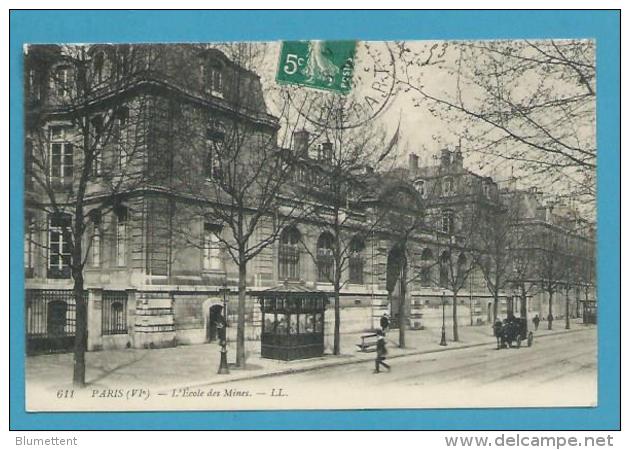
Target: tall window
448, 223
97, 162
289, 254
59, 239
211, 247
426, 260
325, 260
96, 239
214, 151
122, 217
61, 157
356, 262
122, 120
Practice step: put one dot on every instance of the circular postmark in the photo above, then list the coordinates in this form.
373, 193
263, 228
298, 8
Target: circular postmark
372, 89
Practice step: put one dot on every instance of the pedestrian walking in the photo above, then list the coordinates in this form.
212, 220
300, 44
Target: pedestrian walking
536, 321
381, 353
385, 323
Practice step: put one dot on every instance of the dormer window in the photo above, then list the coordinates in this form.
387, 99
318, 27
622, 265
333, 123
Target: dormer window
486, 190
99, 62
448, 187
212, 78
59, 82
420, 187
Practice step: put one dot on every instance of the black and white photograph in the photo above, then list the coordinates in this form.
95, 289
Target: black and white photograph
310, 225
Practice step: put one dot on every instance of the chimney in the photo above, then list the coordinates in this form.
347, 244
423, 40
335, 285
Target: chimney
413, 162
327, 151
458, 159
445, 157
300, 143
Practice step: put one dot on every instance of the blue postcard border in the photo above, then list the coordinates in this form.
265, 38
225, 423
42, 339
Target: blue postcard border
179, 26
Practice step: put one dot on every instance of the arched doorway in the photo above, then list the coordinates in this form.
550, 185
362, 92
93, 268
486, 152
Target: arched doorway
214, 314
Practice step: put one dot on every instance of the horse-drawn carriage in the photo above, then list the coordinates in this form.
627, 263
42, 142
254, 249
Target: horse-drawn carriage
513, 331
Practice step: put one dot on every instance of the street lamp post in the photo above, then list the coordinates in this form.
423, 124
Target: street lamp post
443, 340
223, 365
567, 320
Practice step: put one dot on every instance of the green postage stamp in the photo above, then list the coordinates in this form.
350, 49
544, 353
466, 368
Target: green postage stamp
325, 65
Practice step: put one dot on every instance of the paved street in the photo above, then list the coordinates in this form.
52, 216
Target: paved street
559, 369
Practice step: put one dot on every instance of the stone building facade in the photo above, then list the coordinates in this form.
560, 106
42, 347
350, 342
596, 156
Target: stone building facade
155, 272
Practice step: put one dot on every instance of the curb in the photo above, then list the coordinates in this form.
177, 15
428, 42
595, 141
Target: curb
359, 361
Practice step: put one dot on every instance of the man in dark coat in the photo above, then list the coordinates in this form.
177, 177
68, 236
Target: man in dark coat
536, 321
381, 352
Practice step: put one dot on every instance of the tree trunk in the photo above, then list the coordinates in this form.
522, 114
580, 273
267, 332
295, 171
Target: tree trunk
337, 326
567, 320
550, 315
495, 307
240, 321
577, 304
402, 319
523, 303
80, 339
455, 331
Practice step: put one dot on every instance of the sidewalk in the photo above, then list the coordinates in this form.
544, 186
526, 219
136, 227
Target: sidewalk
196, 365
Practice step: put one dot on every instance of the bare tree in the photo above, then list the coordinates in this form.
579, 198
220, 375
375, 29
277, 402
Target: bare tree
83, 154
236, 174
338, 180
551, 267
530, 104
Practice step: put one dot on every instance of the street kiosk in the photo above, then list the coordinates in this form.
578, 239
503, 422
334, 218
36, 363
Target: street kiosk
589, 312
292, 322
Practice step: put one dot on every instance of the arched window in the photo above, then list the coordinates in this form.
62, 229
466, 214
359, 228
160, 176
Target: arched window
356, 260
427, 261
289, 254
325, 260
444, 263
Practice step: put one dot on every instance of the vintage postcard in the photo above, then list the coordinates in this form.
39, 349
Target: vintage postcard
310, 225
